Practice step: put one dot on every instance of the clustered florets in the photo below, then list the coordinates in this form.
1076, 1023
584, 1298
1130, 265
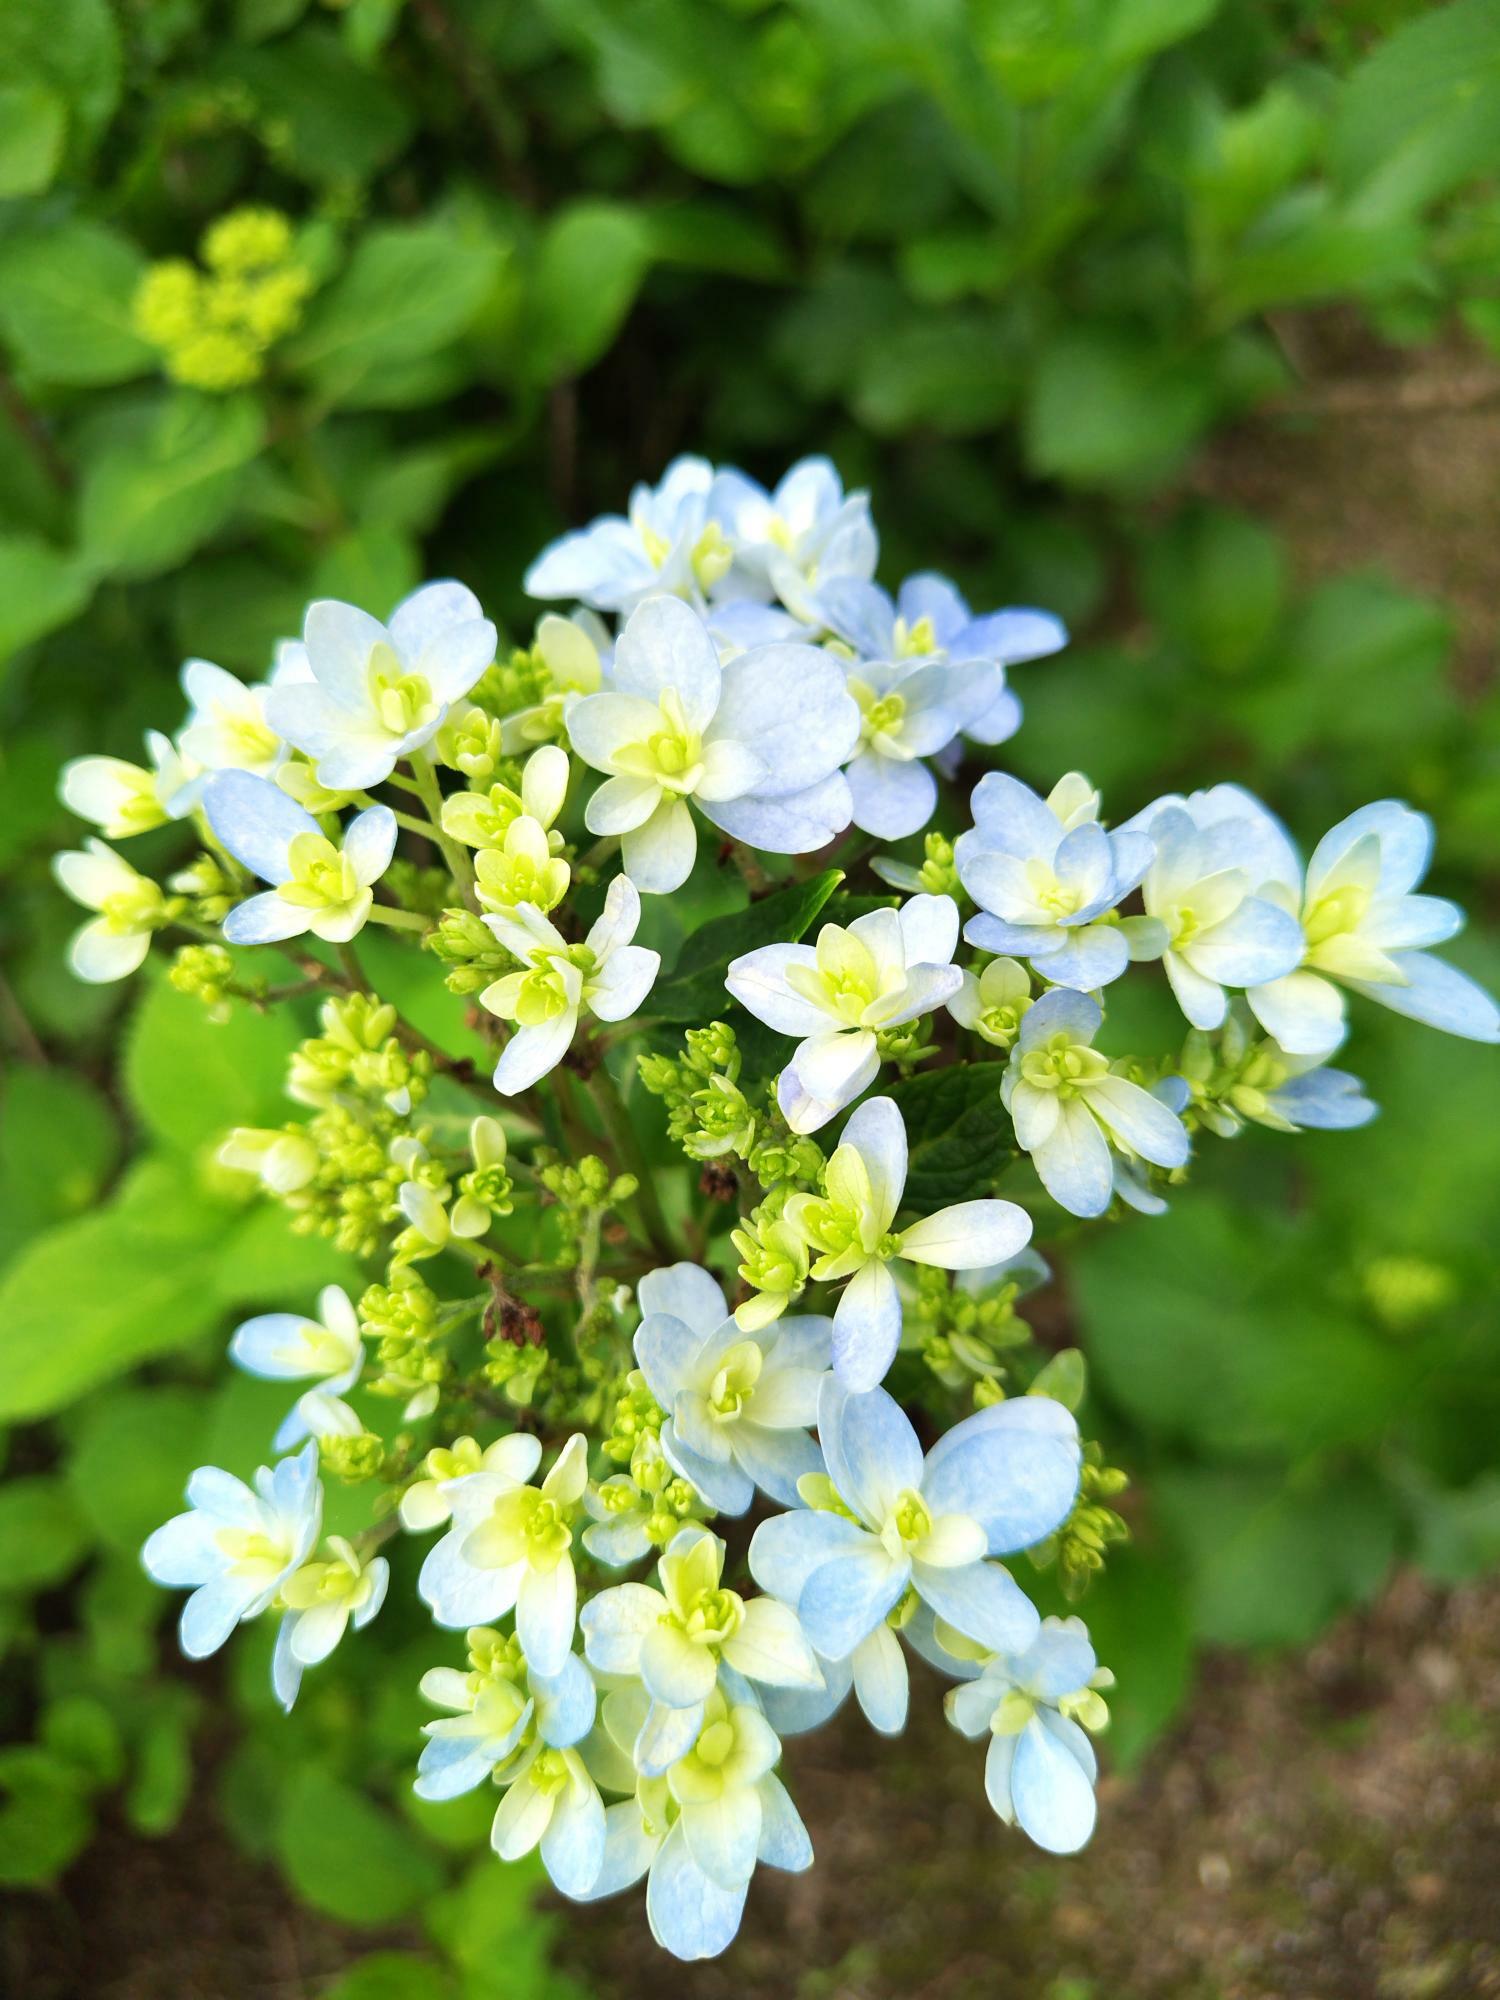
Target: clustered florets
577, 1393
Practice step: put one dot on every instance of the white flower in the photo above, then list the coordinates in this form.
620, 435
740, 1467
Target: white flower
675, 1640
428, 1501
1200, 887
482, 819
1365, 929
606, 974
123, 799
698, 1832
130, 908
993, 1003
318, 887
286, 1347
237, 1545
510, 1546
1068, 1105
379, 692
738, 1406
930, 620
664, 544
797, 541
850, 1228
889, 966
1047, 877
572, 650
909, 709
995, 1484
1040, 1768
322, 1599
756, 744
499, 1710
227, 727
283, 1161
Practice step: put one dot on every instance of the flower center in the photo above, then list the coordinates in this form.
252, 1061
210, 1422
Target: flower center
908, 1523
881, 715
545, 1530
1000, 1025
918, 638
1058, 899
321, 876
734, 1383
403, 701
715, 1616
250, 1549
1063, 1065
1335, 915
132, 909
716, 1745
549, 1772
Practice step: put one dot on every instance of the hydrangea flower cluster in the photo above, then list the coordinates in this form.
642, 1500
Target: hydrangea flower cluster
688, 1392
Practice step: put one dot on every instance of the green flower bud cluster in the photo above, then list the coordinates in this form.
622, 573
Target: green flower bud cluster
212, 888
962, 1336
496, 1655
774, 1258
585, 1188
1078, 1546
471, 743
516, 1371
214, 323
519, 682
359, 1052
206, 972
403, 1322
636, 1415
468, 949
352, 1458
907, 1045
425, 890
1231, 1076
708, 1114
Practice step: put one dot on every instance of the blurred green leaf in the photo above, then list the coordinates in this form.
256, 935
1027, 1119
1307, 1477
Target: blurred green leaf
72, 47
190, 1078
1422, 112
33, 124
332, 121
392, 1975
1108, 405
346, 1857
40, 588
958, 1134
166, 480
1217, 582
45, 1818
58, 1143
129, 1461
65, 304
592, 260
42, 1533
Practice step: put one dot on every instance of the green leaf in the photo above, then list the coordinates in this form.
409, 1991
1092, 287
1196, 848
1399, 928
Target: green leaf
958, 1134
409, 290
593, 258
73, 48
334, 121
58, 1143
33, 125
81, 1731
1216, 581
89, 1299
1140, 1625
190, 1078
65, 304
490, 1927
1109, 405
45, 1819
696, 991
348, 1858
1422, 112
42, 1534
165, 480
40, 588
161, 1779
392, 1975
130, 1458
1273, 1561
375, 568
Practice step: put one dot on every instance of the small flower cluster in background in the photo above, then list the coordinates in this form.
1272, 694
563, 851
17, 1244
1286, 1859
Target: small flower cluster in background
698, 1450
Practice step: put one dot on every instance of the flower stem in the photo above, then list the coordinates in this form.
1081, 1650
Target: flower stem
400, 920
454, 852
631, 1156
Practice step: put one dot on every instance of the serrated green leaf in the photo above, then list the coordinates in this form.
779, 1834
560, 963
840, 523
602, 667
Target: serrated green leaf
958, 1134
695, 992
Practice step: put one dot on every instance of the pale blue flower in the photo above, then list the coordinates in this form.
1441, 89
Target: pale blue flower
930, 620
755, 744
123, 799
495, 1717
237, 1545
289, 1347
850, 1228
837, 996
997, 1483
909, 710
738, 1406
1070, 1109
1200, 887
378, 692
798, 542
1047, 879
322, 1599
618, 561
1040, 1768
698, 1831
318, 887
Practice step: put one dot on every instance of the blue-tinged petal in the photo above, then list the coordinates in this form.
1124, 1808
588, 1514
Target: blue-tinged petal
1405, 844
723, 1484
369, 843
666, 1735
256, 821
212, 1612
881, 1681
982, 1601
784, 1841
274, 1345
1303, 1012
1074, 1162
785, 1550
449, 1766
891, 798
999, 1762
845, 1599
1141, 1120
1014, 1468
724, 1833
458, 1594
664, 646
796, 1711
183, 1552
1324, 1100
1411, 923
1012, 636
1009, 817
565, 1704
877, 1132
628, 1852
792, 823
690, 1915
573, 1845
791, 705
1438, 995
665, 1343
265, 919
1050, 1792
286, 1668
1258, 942
872, 1452
1063, 1012
775, 1460
1090, 957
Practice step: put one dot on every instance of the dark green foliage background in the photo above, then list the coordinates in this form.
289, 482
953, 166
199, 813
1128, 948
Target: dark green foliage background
1018, 267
